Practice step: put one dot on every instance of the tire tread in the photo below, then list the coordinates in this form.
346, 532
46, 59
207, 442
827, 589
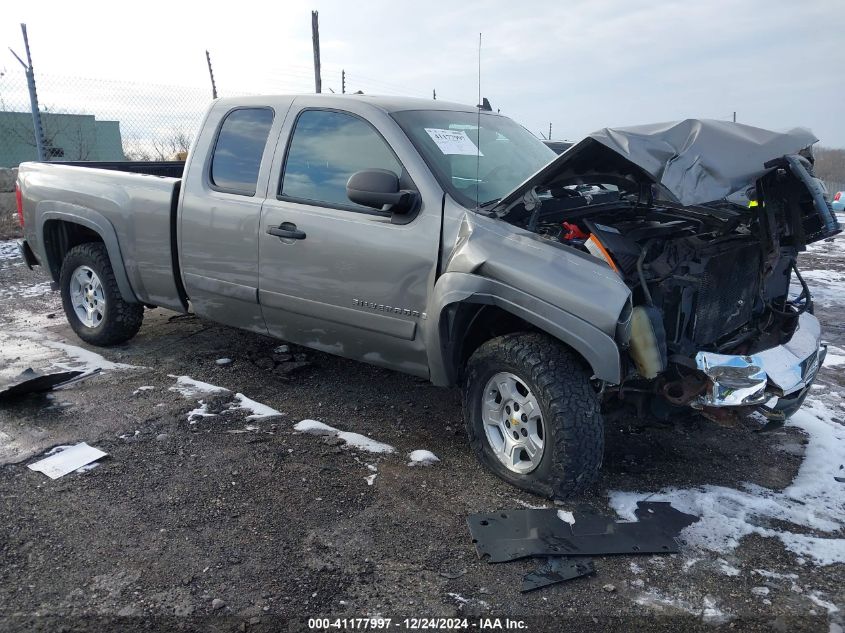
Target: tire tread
562, 380
123, 319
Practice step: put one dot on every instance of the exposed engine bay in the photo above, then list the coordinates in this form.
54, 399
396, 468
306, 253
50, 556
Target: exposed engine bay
710, 278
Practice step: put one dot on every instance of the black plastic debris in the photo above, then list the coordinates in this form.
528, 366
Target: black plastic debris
556, 570
514, 534
31, 381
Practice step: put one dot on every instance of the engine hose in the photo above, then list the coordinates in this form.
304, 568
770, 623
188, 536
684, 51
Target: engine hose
640, 261
805, 293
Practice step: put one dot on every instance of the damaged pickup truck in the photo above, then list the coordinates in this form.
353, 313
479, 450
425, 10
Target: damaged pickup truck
449, 243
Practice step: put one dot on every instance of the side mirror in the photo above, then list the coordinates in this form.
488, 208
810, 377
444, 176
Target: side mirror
377, 188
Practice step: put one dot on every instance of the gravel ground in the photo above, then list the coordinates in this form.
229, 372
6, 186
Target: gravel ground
220, 523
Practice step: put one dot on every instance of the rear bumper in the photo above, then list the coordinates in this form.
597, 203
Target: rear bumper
27, 255
777, 378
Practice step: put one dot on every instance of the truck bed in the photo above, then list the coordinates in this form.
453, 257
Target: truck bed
166, 168
136, 209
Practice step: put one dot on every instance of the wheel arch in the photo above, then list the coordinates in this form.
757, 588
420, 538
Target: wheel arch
469, 310
61, 229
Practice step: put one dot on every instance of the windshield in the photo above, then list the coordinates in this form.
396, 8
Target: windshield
474, 166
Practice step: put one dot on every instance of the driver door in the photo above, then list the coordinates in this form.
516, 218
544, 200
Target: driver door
336, 276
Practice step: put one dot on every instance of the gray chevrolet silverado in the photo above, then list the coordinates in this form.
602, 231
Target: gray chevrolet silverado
449, 243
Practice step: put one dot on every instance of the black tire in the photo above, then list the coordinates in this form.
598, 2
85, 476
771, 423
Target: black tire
560, 382
120, 320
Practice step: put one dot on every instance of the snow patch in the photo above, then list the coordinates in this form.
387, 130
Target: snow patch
83, 359
826, 286
35, 290
525, 504
314, 427
773, 575
259, 410
143, 388
711, 613
727, 569
566, 516
760, 591
835, 357
199, 413
461, 600
813, 499
690, 562
9, 250
189, 387
356, 440
817, 600
653, 599
33, 348
422, 457
365, 443
370, 479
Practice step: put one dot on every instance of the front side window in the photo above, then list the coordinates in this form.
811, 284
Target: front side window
326, 149
240, 145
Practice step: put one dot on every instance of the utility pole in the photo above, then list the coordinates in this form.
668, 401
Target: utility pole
434, 94
33, 96
343, 82
734, 116
211, 74
550, 130
315, 41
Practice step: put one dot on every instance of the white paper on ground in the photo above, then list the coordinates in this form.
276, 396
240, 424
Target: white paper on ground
68, 460
453, 142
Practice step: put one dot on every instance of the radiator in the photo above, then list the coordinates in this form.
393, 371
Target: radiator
727, 292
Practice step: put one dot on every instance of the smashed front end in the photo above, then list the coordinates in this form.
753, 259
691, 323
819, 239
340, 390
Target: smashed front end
703, 220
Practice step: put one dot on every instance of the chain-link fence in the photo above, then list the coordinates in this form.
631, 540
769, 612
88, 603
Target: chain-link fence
60, 118
93, 119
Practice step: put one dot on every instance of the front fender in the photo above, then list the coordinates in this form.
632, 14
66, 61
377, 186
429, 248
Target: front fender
598, 348
97, 222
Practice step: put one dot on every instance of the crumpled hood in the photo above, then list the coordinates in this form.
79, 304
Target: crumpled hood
695, 161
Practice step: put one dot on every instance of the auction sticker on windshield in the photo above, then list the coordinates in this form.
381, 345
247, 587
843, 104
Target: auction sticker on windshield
453, 142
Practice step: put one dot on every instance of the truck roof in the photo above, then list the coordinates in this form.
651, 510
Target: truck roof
381, 102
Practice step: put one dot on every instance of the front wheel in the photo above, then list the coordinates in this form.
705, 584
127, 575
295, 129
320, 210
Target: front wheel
532, 416
91, 299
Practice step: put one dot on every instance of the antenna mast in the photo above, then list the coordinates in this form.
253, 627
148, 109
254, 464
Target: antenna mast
211, 74
478, 132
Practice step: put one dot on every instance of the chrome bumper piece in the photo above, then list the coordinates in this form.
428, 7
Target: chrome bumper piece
782, 371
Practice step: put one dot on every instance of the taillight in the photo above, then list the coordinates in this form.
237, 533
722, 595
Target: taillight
19, 200
837, 196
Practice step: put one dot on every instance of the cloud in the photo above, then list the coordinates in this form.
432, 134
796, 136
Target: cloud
582, 64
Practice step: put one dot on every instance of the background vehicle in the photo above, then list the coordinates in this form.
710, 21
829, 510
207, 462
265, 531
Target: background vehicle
558, 147
447, 243
838, 202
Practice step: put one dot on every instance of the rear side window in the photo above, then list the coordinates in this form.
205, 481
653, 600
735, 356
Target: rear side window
326, 149
240, 145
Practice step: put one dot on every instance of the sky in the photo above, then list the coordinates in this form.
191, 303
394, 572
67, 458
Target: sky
580, 65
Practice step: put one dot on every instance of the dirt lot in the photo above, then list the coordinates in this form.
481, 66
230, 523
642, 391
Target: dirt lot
221, 522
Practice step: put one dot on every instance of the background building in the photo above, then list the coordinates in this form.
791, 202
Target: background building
66, 137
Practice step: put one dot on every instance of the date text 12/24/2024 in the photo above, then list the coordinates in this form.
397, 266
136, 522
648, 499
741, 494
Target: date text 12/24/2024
416, 624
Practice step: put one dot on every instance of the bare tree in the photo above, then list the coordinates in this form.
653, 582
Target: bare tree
830, 167
172, 147
135, 150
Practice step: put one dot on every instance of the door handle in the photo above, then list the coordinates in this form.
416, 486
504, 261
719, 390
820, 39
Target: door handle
287, 231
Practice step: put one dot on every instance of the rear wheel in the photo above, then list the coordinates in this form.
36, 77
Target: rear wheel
91, 299
532, 415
